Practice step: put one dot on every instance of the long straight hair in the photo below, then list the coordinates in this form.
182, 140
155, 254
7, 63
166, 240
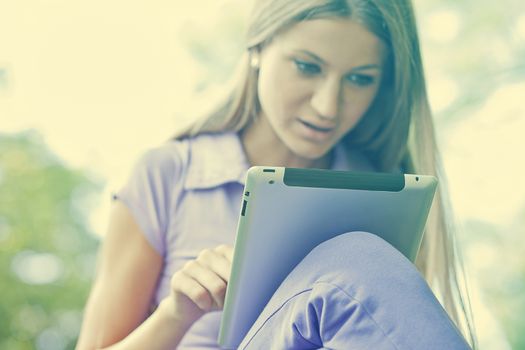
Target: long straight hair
396, 132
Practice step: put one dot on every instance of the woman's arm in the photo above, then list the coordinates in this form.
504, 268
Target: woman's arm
160, 331
126, 279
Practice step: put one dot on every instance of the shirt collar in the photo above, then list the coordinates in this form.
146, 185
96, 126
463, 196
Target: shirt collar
217, 159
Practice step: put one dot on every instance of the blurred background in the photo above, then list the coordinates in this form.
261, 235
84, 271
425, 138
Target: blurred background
87, 86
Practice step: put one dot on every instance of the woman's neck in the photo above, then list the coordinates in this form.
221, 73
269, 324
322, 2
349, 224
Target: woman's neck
262, 149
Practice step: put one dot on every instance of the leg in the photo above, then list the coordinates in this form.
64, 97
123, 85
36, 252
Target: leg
354, 291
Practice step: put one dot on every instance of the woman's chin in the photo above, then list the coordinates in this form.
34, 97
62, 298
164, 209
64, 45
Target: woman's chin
313, 154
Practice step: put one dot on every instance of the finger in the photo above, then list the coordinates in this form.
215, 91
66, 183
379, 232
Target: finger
207, 278
226, 251
216, 262
188, 286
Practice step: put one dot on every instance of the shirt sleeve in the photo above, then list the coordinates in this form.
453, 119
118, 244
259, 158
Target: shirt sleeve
149, 191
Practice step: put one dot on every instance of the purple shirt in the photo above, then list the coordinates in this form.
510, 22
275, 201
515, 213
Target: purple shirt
185, 196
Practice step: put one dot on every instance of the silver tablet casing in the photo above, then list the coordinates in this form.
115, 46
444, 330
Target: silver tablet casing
287, 212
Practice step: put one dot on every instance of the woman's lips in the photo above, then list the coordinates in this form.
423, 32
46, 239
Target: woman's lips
318, 127
315, 131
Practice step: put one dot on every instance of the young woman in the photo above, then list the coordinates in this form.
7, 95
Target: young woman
323, 83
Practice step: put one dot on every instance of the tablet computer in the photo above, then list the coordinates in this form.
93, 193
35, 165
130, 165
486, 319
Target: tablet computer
286, 212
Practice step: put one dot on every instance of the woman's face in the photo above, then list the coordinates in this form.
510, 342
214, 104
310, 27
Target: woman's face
316, 80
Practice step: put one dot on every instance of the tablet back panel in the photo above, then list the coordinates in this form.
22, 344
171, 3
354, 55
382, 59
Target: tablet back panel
287, 212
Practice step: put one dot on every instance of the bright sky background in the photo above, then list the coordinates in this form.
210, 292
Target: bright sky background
104, 80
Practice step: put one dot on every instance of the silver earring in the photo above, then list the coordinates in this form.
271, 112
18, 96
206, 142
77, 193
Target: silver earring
254, 60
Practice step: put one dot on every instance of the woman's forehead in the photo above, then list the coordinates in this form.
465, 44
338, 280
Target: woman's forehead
335, 41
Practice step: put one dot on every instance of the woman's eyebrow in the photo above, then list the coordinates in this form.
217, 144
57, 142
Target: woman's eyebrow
366, 67
319, 60
312, 56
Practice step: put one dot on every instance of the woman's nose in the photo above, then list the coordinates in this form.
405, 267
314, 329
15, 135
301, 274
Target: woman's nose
326, 98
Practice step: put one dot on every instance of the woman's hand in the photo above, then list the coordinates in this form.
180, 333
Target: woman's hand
200, 286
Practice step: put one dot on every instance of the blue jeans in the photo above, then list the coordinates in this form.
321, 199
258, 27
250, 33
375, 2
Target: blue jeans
354, 291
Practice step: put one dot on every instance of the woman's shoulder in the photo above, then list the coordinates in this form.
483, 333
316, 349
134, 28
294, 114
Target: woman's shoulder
177, 156
170, 157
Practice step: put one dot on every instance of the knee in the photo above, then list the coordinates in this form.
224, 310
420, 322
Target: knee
359, 238
357, 245
361, 256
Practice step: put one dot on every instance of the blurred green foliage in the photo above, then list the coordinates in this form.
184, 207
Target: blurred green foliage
500, 271
485, 55
47, 257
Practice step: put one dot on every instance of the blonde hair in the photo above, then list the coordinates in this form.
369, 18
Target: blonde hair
396, 132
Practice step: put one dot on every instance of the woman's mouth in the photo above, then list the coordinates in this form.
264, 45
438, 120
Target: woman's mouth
315, 131
318, 128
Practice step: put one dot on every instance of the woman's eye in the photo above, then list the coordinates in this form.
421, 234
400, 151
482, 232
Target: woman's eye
307, 68
360, 79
